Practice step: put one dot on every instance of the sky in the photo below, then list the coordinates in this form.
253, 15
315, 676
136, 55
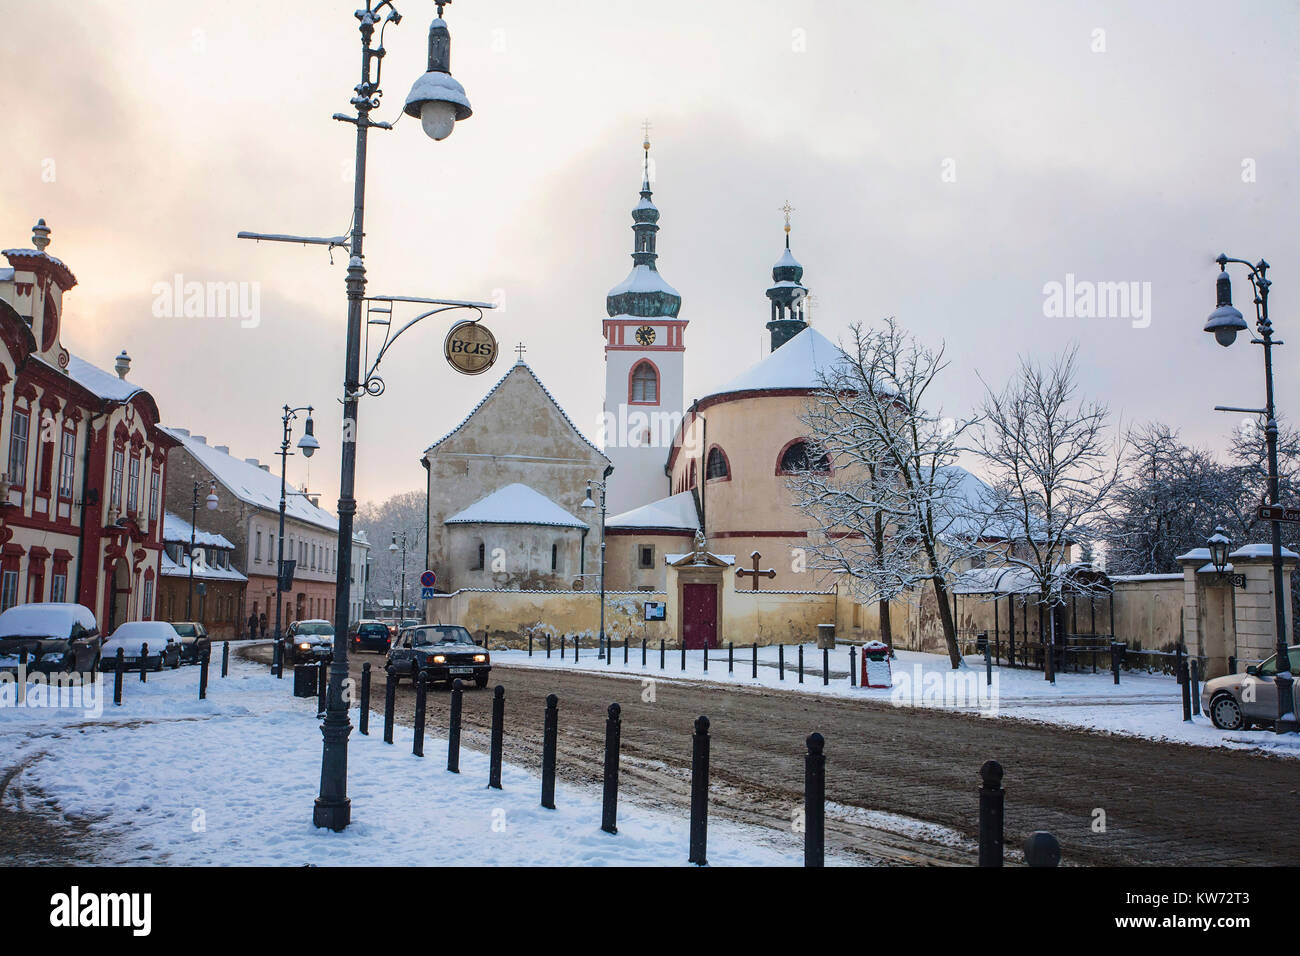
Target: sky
947, 163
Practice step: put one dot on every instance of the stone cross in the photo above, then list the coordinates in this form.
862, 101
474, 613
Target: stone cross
755, 574
521, 350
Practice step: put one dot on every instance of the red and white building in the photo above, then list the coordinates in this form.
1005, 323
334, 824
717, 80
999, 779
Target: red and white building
83, 458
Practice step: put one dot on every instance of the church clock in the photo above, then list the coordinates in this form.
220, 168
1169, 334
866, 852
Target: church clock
645, 335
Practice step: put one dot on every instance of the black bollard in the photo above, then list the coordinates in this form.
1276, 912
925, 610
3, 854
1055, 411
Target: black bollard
548, 647
814, 802
204, 663
364, 717
562, 636
550, 730
1185, 680
700, 792
453, 734
780, 662
704, 652
1042, 849
1195, 664
754, 673
117, 677
390, 698
731, 662
988, 663
992, 797
225, 659
826, 666
801, 663
144, 655
498, 736
625, 652
683, 653
577, 642
853, 666
1114, 661
530, 645
643, 652
609, 806
421, 702
661, 653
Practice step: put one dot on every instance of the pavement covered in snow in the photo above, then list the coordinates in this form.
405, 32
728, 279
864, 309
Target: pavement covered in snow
1143, 705
167, 778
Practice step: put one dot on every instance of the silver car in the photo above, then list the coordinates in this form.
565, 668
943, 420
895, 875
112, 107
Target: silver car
1239, 701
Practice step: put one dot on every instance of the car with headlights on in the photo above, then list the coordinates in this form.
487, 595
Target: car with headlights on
146, 645
194, 640
310, 642
441, 652
1240, 701
56, 637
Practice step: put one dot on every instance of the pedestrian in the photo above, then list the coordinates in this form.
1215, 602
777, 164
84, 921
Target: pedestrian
262, 625
252, 625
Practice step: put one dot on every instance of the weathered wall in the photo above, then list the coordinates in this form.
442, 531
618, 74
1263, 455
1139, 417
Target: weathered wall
515, 556
774, 617
507, 617
622, 558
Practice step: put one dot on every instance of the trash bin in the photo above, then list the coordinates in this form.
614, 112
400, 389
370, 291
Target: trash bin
826, 636
875, 665
304, 680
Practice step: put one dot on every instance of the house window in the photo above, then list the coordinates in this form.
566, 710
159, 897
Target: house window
59, 587
644, 386
18, 447
115, 492
133, 486
257, 554
8, 589
67, 463
800, 455
645, 556
717, 466
155, 486
479, 555
148, 600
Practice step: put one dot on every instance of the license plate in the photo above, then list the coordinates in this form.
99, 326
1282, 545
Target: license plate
462, 670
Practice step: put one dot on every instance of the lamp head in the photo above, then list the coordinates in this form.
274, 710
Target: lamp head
1219, 546
1225, 321
436, 97
308, 444
212, 496
393, 547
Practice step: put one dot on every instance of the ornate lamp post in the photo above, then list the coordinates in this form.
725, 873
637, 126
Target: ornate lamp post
211, 502
1219, 546
1224, 323
308, 445
589, 505
392, 549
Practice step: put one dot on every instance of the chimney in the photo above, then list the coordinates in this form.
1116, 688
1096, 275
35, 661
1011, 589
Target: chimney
253, 461
122, 364
182, 431
224, 449
201, 439
265, 467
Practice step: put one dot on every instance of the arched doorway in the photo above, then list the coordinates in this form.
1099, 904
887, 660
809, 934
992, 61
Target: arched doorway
119, 595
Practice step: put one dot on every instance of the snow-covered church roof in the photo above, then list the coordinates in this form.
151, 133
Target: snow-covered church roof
796, 364
676, 513
516, 504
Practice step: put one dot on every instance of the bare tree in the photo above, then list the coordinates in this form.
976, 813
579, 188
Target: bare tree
380, 521
1053, 470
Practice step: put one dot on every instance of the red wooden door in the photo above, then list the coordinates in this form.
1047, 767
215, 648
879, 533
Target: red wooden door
700, 615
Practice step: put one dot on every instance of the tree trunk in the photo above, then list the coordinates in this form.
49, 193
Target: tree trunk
945, 618
886, 627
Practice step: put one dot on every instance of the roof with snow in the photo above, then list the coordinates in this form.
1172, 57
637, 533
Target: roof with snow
676, 513
177, 530
516, 504
106, 385
202, 572
250, 484
643, 279
797, 364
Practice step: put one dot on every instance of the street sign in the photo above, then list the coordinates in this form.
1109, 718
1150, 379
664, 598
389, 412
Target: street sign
655, 610
470, 348
286, 575
428, 579
426, 593
1278, 513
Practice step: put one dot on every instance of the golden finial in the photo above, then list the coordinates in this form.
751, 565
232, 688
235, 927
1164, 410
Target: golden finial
787, 209
645, 131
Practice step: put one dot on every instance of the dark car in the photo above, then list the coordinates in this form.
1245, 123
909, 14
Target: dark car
146, 645
309, 642
442, 652
370, 636
194, 640
56, 637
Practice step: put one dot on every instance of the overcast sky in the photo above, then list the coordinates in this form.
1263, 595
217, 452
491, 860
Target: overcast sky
945, 162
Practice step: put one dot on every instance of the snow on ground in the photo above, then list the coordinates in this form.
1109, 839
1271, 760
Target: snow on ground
230, 780
1143, 705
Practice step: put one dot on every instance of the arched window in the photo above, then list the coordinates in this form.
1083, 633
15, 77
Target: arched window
643, 384
717, 465
801, 455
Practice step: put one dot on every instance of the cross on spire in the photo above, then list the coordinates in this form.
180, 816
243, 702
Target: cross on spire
755, 574
520, 349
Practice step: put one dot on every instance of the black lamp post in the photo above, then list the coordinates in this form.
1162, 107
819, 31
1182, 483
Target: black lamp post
588, 505
307, 445
1224, 323
392, 549
1219, 546
211, 502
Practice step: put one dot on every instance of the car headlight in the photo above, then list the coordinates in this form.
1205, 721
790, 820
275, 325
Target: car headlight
439, 659
304, 646
480, 658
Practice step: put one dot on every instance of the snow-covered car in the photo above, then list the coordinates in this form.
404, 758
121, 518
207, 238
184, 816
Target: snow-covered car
441, 652
1239, 701
56, 636
194, 640
163, 646
310, 641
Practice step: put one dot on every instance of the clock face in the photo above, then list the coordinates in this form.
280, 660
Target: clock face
645, 335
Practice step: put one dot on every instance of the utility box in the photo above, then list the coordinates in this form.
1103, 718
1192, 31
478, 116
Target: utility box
876, 671
826, 637
304, 680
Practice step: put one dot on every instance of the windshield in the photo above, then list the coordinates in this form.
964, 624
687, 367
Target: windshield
423, 636
315, 627
379, 629
1269, 667
186, 630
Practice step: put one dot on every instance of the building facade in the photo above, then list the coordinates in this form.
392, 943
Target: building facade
205, 587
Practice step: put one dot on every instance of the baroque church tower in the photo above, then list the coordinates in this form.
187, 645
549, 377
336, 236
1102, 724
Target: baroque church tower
788, 295
644, 352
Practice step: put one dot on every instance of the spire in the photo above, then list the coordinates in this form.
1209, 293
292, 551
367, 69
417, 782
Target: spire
644, 292
787, 293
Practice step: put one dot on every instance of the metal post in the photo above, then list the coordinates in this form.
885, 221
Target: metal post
1042, 849
548, 647
144, 654
1195, 665
814, 802
390, 699
364, 718
704, 653
1185, 681
683, 653
826, 666
421, 701
322, 689
203, 673
498, 734
550, 730
754, 667
992, 798
643, 652
609, 805
117, 677
625, 652
700, 792
780, 661
530, 644
1114, 661
853, 666
661, 653
577, 643
562, 636
988, 662
453, 733
730, 659
225, 659
801, 663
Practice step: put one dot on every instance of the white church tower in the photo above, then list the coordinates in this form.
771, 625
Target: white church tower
644, 349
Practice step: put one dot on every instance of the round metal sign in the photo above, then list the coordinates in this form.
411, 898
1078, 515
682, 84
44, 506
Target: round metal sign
428, 579
470, 348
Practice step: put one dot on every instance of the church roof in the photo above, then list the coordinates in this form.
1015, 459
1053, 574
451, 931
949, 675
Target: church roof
796, 364
516, 504
676, 512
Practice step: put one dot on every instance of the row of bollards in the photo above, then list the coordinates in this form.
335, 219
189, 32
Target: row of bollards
205, 663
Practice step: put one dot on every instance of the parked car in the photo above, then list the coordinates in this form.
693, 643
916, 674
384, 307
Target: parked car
194, 640
1239, 701
163, 650
57, 637
310, 641
369, 635
442, 652
410, 622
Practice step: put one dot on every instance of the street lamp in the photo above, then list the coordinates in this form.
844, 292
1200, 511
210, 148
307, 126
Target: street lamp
1219, 546
211, 502
1224, 323
308, 445
392, 549
589, 505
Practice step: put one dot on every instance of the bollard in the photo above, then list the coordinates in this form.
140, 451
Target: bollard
498, 734
550, 730
577, 642
754, 672
853, 666
453, 734
562, 636
144, 655
661, 653
1185, 681
390, 695
117, 677
643, 652
225, 658
322, 688
683, 653
625, 652
530, 644
801, 663
826, 665
988, 664
609, 806
780, 661
814, 802
364, 716
1179, 658
704, 653
730, 660
1042, 849
421, 702
203, 673
1114, 661
275, 658
700, 792
991, 801
548, 647
1195, 665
